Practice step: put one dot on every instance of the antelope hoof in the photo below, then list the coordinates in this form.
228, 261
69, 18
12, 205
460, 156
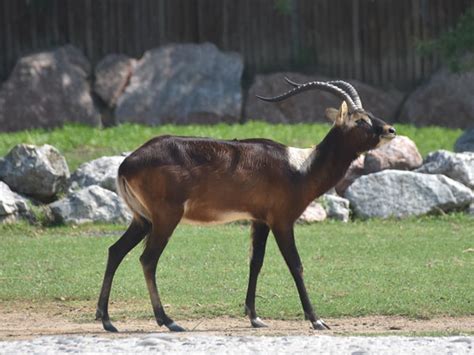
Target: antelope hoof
258, 323
109, 327
173, 327
320, 325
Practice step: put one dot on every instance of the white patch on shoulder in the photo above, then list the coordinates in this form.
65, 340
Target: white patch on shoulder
300, 159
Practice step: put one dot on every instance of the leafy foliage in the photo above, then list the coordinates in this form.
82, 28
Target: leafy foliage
283, 6
454, 44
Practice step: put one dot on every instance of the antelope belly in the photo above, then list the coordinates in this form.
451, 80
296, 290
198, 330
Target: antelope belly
200, 216
221, 218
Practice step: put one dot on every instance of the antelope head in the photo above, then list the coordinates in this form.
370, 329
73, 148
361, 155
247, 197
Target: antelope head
360, 129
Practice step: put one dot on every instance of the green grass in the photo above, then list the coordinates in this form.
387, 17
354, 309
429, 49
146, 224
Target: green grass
81, 143
416, 267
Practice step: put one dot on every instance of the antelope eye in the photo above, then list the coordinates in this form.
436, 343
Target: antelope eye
361, 122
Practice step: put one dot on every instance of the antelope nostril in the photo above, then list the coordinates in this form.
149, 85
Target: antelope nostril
392, 130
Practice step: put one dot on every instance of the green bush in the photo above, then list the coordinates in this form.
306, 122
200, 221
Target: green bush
454, 44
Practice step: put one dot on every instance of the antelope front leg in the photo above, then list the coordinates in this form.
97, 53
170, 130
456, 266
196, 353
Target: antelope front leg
259, 236
286, 243
162, 229
149, 261
134, 234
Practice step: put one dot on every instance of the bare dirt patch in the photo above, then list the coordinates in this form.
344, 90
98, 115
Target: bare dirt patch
23, 320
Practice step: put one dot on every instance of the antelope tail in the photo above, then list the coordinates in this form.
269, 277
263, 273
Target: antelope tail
131, 199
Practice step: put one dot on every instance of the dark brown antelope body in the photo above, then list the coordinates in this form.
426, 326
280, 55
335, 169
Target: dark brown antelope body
173, 179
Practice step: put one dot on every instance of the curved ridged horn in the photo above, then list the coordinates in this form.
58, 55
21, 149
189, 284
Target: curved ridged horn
325, 86
340, 84
291, 82
350, 90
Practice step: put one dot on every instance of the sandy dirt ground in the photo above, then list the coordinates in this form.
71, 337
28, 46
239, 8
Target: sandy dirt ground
25, 321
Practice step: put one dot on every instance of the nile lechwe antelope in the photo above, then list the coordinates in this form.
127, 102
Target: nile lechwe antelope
172, 179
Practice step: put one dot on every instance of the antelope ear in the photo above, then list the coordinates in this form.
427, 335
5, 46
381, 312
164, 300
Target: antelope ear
331, 114
342, 114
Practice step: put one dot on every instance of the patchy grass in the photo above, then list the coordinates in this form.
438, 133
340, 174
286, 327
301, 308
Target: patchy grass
417, 268
82, 143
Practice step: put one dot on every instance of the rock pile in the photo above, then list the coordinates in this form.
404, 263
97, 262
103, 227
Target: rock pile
37, 175
442, 183
400, 153
182, 83
384, 183
198, 83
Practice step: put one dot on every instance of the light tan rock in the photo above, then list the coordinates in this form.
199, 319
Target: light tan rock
400, 153
313, 213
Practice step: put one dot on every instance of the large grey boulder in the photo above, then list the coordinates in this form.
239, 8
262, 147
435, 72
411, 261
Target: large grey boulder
395, 193
465, 143
183, 83
46, 90
445, 100
112, 75
457, 166
310, 106
336, 207
40, 172
12, 205
102, 171
91, 204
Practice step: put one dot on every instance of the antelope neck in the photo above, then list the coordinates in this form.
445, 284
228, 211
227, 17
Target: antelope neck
329, 163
